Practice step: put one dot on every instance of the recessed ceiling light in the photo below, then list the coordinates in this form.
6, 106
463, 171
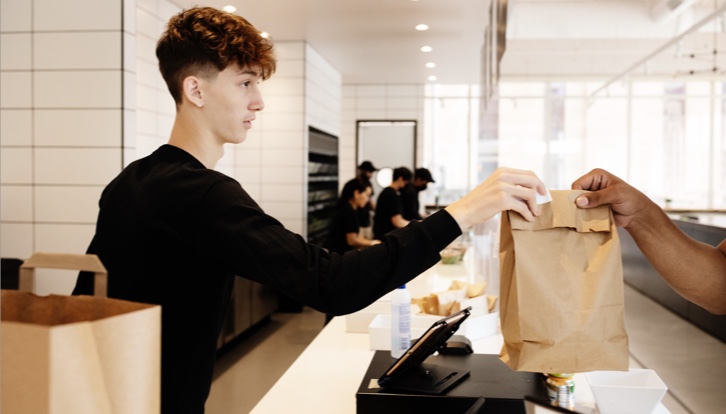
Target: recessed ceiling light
265, 35
422, 27
426, 49
431, 65
432, 78
229, 9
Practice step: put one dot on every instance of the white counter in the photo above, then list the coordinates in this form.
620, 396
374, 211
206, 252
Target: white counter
327, 375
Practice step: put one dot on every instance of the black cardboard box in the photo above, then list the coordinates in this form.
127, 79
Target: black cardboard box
503, 388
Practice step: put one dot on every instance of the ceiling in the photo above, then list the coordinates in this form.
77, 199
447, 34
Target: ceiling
374, 41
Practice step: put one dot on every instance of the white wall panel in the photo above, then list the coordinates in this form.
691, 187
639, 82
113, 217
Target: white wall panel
15, 90
15, 15
16, 127
66, 204
76, 166
17, 166
86, 89
15, 202
75, 239
16, 240
77, 50
77, 127
74, 15
15, 51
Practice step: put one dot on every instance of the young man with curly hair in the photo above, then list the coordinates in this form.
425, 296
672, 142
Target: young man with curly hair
173, 231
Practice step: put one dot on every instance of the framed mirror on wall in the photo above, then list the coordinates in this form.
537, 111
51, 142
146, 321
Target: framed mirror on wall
388, 145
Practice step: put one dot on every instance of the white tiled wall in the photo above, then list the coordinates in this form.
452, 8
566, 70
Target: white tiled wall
73, 119
377, 102
62, 108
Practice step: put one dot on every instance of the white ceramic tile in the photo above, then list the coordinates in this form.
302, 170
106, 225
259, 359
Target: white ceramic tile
247, 175
15, 15
151, 6
78, 127
15, 51
402, 103
370, 90
169, 8
284, 122
145, 48
370, 103
404, 115
405, 91
146, 122
55, 281
285, 211
16, 240
289, 50
147, 73
289, 140
129, 52
289, 68
371, 114
248, 157
17, 166
146, 98
283, 157
86, 89
16, 127
277, 104
16, 203
295, 225
129, 90
147, 23
129, 16
147, 145
166, 104
225, 168
76, 166
67, 204
253, 190
277, 85
49, 15
282, 175
129, 156
129, 129
64, 238
15, 90
165, 124
282, 192
71, 50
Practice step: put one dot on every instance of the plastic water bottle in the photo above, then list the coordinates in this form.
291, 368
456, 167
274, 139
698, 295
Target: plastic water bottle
400, 321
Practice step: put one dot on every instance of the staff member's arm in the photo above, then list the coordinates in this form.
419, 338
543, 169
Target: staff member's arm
696, 270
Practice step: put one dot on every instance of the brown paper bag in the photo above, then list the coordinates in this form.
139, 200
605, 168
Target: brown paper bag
78, 354
562, 306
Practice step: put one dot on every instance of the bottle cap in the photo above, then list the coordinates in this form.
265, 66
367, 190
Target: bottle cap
402, 287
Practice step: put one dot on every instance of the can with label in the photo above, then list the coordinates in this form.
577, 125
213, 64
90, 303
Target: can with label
561, 389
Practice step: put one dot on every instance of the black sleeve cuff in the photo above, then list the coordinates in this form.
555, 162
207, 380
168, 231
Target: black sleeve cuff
442, 227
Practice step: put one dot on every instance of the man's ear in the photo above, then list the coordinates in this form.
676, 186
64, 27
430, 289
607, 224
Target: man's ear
192, 91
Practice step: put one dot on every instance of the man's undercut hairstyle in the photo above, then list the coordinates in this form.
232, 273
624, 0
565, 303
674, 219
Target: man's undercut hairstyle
204, 41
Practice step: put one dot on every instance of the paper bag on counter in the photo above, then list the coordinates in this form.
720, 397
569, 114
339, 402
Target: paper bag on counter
78, 354
562, 306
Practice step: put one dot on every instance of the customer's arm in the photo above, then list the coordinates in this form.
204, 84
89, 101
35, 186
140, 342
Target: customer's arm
695, 270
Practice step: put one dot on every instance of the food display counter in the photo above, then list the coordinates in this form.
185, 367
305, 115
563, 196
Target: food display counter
326, 376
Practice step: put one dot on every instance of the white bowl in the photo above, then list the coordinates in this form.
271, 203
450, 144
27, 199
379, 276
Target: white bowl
637, 391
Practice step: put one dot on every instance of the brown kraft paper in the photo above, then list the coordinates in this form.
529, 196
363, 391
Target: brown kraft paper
562, 305
78, 354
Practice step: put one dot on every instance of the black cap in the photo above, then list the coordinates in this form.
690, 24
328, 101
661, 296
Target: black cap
367, 166
424, 174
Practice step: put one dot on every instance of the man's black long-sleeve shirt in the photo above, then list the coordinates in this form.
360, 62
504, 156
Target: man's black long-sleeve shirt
174, 233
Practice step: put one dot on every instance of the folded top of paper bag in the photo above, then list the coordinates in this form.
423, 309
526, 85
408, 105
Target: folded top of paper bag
563, 212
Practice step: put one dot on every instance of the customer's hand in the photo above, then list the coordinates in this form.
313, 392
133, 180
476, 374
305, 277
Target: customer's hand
505, 189
627, 203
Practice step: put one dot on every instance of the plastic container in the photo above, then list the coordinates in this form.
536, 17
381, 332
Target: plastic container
400, 321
